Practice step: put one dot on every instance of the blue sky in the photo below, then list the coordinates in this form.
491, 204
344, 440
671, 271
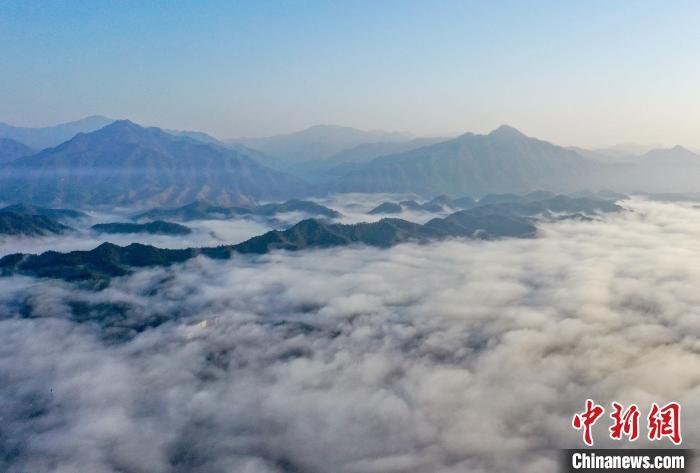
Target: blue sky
584, 73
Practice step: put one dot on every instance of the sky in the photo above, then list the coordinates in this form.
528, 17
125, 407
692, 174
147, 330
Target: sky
577, 73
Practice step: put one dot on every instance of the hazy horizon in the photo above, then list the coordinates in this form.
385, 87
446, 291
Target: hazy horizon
631, 148
619, 72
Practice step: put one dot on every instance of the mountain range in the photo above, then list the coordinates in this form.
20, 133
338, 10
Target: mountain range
437, 204
505, 160
317, 143
108, 260
502, 161
678, 156
124, 163
46, 137
56, 214
157, 227
13, 223
30, 220
12, 150
97, 266
349, 159
127, 164
200, 210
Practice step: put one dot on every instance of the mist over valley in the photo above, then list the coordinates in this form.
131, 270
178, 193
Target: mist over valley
349, 237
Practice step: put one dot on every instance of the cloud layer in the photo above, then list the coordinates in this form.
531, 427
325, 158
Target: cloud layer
451, 357
354, 208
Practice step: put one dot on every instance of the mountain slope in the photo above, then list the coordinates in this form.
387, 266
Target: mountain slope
369, 151
505, 160
676, 156
505, 220
157, 227
11, 150
294, 205
124, 163
346, 160
662, 170
200, 210
56, 214
40, 138
317, 142
108, 260
12, 223
437, 204
196, 135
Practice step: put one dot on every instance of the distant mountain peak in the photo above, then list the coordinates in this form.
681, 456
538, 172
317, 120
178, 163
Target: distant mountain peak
123, 122
128, 163
124, 125
11, 150
123, 130
507, 131
681, 149
318, 142
95, 118
325, 127
675, 151
50, 136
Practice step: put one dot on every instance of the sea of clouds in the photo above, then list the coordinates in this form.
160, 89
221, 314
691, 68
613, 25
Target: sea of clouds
458, 356
354, 208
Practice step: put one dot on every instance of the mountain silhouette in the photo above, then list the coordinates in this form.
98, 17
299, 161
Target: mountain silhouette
124, 163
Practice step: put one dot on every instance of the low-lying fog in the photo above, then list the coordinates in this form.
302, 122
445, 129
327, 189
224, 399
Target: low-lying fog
354, 208
204, 233
450, 357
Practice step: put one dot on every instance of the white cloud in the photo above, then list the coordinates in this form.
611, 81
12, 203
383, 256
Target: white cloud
204, 233
450, 357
